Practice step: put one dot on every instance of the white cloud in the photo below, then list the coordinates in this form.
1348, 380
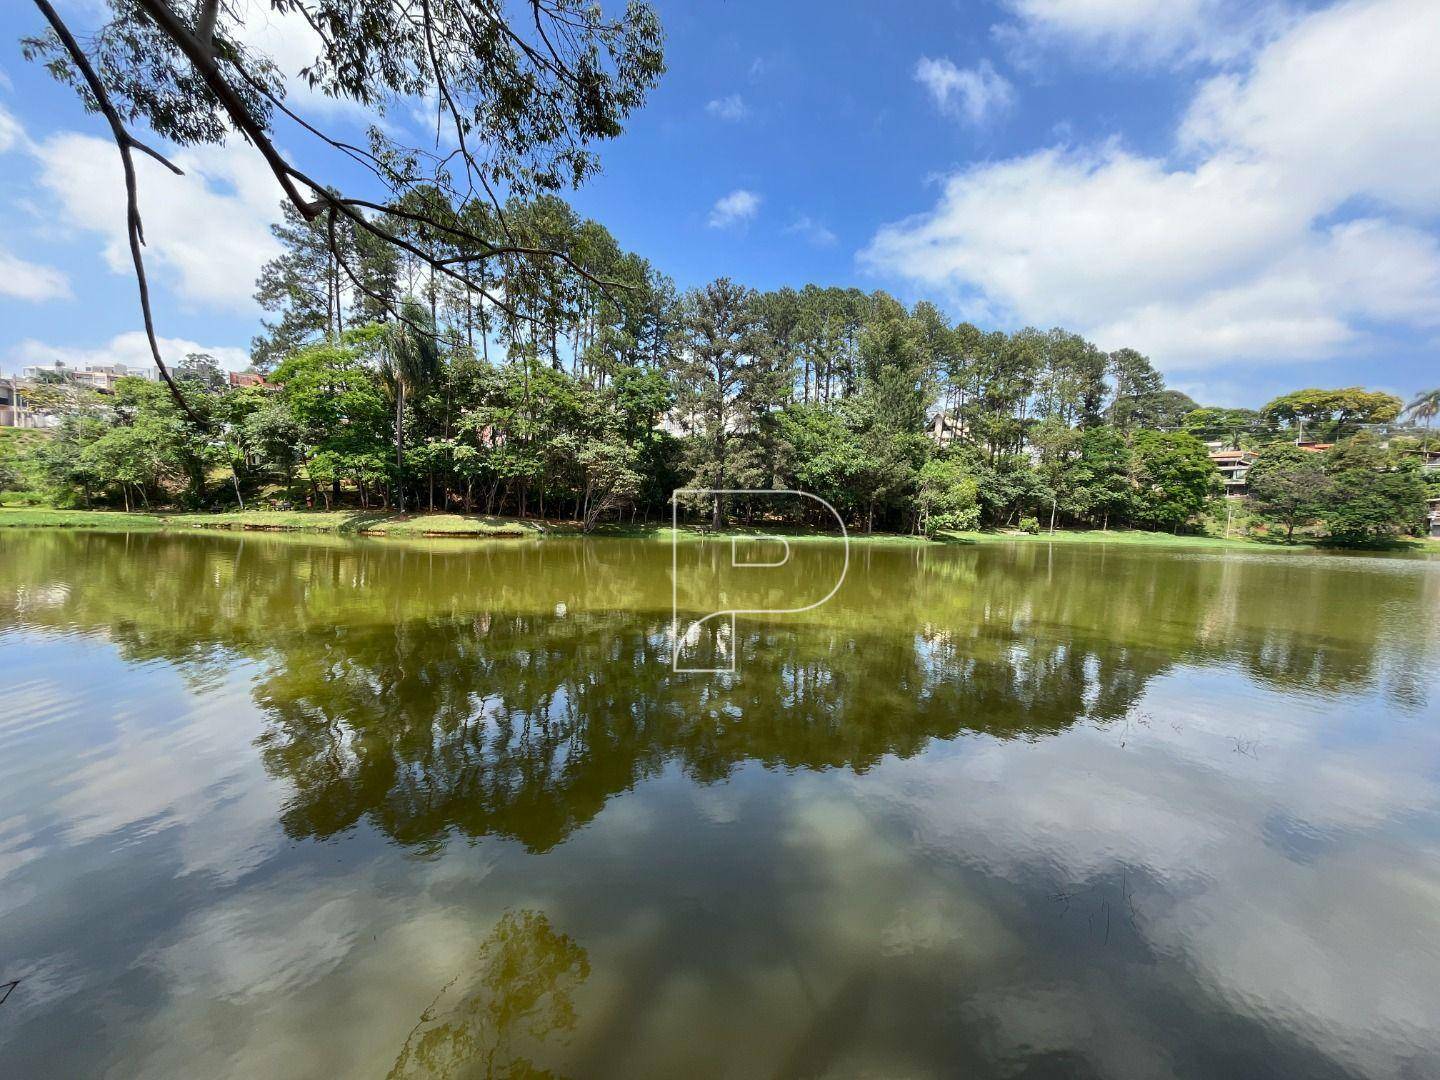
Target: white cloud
973, 94
24, 280
811, 231
11, 133
1349, 101
732, 108
21, 279
1139, 33
1229, 251
129, 348
736, 208
287, 38
207, 232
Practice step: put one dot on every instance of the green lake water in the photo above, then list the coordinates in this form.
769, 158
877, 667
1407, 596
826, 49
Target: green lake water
305, 807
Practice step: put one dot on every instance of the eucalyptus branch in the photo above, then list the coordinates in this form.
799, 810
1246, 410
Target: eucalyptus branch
134, 227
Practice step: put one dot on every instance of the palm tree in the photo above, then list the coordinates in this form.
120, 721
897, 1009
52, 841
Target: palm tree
1426, 406
411, 362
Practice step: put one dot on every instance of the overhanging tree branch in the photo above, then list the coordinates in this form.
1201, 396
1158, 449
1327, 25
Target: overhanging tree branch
528, 109
135, 228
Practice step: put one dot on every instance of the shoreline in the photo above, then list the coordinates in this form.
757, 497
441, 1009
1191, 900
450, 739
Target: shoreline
389, 525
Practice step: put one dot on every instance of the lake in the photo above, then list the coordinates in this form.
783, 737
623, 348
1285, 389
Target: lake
297, 807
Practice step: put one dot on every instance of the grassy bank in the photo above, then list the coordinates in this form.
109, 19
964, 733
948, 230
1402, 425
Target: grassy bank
356, 522
384, 524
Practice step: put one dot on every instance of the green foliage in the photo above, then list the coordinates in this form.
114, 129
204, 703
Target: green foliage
729, 376
552, 393
19, 475
948, 497
889, 410
335, 402
1162, 410
1234, 427
536, 87
1290, 487
1374, 494
201, 373
1358, 491
1136, 380
9, 475
823, 451
1332, 414
1173, 476
1097, 487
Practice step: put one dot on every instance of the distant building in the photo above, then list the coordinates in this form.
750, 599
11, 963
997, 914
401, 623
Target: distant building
15, 412
945, 430
1315, 447
247, 378
1234, 468
1429, 460
1434, 515
102, 377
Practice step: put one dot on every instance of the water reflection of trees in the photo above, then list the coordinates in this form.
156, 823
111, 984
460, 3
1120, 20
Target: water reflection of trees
435, 691
526, 729
517, 992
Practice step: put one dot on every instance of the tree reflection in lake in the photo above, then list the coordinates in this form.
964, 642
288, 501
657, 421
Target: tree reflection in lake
268, 800
519, 990
513, 688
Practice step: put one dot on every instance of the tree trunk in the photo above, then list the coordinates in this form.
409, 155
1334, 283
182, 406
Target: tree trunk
400, 446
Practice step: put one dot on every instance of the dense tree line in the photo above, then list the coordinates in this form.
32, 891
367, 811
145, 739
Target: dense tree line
464, 340
590, 389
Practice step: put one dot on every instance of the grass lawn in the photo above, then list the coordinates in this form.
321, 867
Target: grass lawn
369, 523
365, 522
385, 524
45, 517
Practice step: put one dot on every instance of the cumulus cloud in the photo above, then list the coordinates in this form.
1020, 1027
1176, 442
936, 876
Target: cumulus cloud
736, 208
974, 95
11, 133
207, 232
732, 108
23, 280
811, 231
287, 38
1139, 33
1229, 249
129, 348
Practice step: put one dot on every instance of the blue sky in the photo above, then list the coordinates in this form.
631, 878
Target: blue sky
1248, 192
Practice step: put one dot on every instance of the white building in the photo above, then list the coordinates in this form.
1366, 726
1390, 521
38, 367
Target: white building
1234, 467
102, 377
15, 412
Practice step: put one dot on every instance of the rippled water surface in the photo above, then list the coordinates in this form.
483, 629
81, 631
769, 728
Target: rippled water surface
295, 808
